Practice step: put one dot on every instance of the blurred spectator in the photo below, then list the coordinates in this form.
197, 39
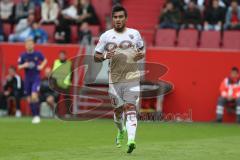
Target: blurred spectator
1, 32
23, 9
38, 34
13, 88
178, 4
170, 17
233, 17
6, 10
62, 69
84, 34
71, 13
230, 93
37, 3
192, 17
62, 3
87, 13
221, 3
114, 2
22, 30
62, 32
49, 11
48, 97
199, 3
214, 17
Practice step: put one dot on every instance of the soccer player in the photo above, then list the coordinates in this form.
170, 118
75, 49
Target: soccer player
32, 62
123, 47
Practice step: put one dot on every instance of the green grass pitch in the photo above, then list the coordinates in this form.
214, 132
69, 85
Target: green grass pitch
94, 140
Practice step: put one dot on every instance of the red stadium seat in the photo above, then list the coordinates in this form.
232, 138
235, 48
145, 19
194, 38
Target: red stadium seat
148, 36
165, 38
188, 38
50, 29
7, 28
210, 39
95, 29
231, 40
103, 8
74, 34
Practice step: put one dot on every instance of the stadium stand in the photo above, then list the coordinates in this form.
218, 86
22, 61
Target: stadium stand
50, 29
165, 38
7, 29
231, 40
188, 38
210, 39
139, 13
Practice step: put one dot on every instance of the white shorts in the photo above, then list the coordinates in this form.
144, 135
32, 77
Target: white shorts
123, 93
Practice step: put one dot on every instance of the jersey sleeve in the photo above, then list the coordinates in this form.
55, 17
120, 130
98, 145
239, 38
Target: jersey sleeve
101, 44
21, 59
41, 56
139, 40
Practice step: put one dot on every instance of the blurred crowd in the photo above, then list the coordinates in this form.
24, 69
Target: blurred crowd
201, 15
27, 16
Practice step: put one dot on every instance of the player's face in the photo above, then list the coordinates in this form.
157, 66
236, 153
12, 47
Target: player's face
62, 56
29, 45
119, 20
234, 74
11, 72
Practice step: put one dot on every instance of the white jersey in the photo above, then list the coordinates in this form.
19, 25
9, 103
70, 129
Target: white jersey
122, 68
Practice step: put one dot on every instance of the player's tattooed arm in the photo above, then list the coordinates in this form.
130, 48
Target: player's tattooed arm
99, 57
42, 65
140, 55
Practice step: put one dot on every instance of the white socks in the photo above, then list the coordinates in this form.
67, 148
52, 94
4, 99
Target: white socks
131, 124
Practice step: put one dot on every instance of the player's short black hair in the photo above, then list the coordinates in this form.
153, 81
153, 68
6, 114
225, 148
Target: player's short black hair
118, 8
235, 69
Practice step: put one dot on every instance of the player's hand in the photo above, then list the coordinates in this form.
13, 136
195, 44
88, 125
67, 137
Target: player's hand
40, 67
6, 93
109, 55
26, 65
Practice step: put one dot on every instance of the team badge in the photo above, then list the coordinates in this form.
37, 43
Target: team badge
35, 58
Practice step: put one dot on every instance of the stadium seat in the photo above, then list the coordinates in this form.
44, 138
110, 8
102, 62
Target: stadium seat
210, 39
74, 34
95, 29
50, 29
231, 40
103, 9
188, 38
7, 28
165, 37
148, 36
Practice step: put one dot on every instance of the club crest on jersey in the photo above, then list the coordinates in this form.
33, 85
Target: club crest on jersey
125, 44
131, 36
35, 58
110, 46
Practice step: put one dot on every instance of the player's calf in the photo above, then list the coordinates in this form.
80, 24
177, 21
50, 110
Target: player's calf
131, 125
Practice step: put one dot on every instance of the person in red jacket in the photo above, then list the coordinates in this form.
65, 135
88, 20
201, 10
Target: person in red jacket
230, 92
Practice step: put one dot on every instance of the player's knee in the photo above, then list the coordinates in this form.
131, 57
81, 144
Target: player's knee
130, 111
118, 112
129, 107
34, 97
